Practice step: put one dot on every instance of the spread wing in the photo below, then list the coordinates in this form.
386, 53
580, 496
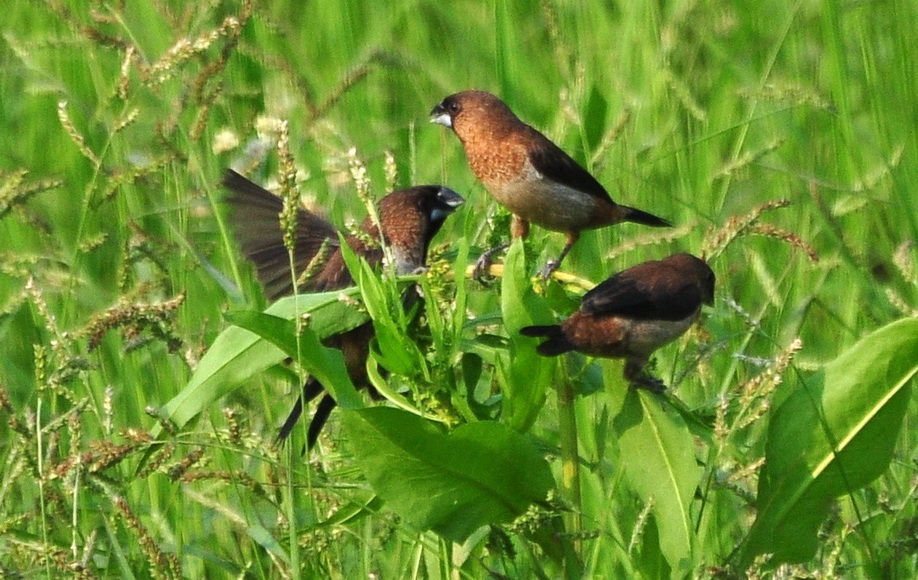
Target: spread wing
255, 218
649, 291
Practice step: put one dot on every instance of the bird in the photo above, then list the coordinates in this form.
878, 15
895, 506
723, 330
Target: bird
409, 219
529, 175
633, 313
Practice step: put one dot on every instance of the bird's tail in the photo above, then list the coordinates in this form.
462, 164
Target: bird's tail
326, 405
642, 217
556, 343
311, 390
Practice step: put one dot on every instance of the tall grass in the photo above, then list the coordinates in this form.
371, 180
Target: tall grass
117, 267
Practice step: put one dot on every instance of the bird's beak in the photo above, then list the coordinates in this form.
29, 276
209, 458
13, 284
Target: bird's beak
450, 198
439, 116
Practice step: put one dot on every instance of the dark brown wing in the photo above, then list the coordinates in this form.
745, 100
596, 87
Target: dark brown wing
651, 290
255, 218
554, 164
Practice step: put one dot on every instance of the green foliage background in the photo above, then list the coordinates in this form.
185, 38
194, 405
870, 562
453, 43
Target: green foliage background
116, 270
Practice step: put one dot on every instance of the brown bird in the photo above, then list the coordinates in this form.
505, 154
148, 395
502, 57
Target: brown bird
633, 313
530, 175
409, 219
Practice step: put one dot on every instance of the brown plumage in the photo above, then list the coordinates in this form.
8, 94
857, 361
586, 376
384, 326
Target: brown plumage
409, 219
633, 313
530, 175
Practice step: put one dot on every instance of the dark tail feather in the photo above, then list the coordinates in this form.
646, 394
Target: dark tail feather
547, 330
326, 406
556, 343
311, 390
642, 217
291, 420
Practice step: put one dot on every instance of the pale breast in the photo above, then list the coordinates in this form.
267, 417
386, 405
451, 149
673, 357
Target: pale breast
501, 162
549, 204
646, 336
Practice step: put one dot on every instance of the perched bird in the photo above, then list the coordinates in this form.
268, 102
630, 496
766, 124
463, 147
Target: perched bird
529, 175
409, 219
633, 313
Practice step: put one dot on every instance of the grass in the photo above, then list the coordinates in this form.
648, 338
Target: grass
117, 270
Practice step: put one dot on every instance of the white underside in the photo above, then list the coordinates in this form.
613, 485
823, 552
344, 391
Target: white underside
645, 336
547, 203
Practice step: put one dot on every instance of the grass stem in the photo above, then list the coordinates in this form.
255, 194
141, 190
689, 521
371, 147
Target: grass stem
570, 471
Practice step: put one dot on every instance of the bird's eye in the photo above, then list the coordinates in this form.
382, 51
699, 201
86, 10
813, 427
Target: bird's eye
453, 107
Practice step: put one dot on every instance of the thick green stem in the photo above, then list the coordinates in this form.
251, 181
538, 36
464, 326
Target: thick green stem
570, 470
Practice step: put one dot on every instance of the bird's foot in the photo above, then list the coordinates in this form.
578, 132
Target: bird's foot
651, 384
481, 273
548, 269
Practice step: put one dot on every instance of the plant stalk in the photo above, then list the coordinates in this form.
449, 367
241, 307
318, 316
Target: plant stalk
570, 471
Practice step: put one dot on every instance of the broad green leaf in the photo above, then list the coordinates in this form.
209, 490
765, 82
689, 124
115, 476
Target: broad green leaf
479, 474
324, 363
328, 313
659, 464
280, 332
238, 354
525, 378
648, 558
833, 435
520, 305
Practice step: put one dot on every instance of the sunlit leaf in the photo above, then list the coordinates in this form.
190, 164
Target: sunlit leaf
480, 473
526, 376
660, 465
324, 363
833, 435
238, 354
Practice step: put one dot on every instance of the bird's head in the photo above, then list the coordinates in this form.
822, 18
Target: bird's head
411, 217
470, 111
699, 271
